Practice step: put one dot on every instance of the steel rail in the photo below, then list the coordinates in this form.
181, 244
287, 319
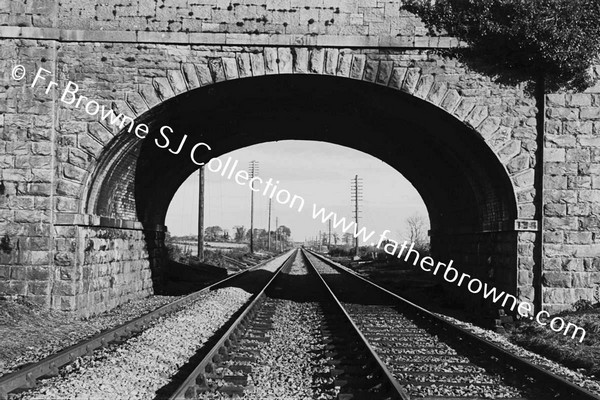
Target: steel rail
398, 391
26, 377
538, 373
187, 389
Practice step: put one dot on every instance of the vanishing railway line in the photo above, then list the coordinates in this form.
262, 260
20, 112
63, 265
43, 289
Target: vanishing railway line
296, 327
336, 363
432, 358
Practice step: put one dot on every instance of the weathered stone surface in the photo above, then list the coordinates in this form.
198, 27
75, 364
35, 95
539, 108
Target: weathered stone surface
300, 60
177, 81
316, 62
270, 61
41, 169
411, 79
258, 63
230, 67
359, 61
344, 62
286, 62
244, 65
424, 86
331, 61
524, 179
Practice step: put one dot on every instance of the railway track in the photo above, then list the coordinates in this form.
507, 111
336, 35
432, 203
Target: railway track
294, 340
432, 358
27, 377
298, 327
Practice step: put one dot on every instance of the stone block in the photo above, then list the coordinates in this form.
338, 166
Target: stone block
189, 74
230, 68
477, 116
317, 58
579, 100
344, 63
578, 128
177, 81
451, 100
38, 273
525, 293
525, 278
424, 86
556, 100
561, 140
553, 296
592, 196
588, 250
554, 237
30, 161
566, 223
578, 155
162, 88
331, 61
581, 280
79, 158
286, 61
437, 92
205, 76
555, 182
591, 222
589, 141
524, 179
581, 210
73, 172
397, 78
68, 303
300, 60
552, 264
510, 150
562, 113
590, 113
410, 80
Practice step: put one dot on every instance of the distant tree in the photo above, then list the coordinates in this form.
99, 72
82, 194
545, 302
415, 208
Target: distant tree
240, 233
284, 231
417, 230
213, 233
347, 238
336, 237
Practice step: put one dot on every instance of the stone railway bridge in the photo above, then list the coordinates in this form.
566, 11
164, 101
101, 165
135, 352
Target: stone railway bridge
513, 195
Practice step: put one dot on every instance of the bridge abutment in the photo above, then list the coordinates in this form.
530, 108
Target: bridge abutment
78, 234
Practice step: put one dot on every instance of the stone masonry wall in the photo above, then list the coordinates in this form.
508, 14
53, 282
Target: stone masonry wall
328, 17
26, 175
99, 268
133, 79
48, 150
572, 198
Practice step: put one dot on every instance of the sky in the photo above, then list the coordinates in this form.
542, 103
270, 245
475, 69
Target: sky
319, 172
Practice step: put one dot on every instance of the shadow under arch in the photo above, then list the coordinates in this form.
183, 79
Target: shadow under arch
467, 191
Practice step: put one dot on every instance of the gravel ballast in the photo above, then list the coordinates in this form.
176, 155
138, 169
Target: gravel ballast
290, 360
560, 370
29, 333
145, 363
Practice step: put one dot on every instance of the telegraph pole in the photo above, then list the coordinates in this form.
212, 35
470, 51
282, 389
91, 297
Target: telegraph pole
329, 238
276, 233
269, 235
253, 172
201, 214
356, 191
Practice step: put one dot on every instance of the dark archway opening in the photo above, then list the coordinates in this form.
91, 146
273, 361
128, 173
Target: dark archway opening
467, 191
